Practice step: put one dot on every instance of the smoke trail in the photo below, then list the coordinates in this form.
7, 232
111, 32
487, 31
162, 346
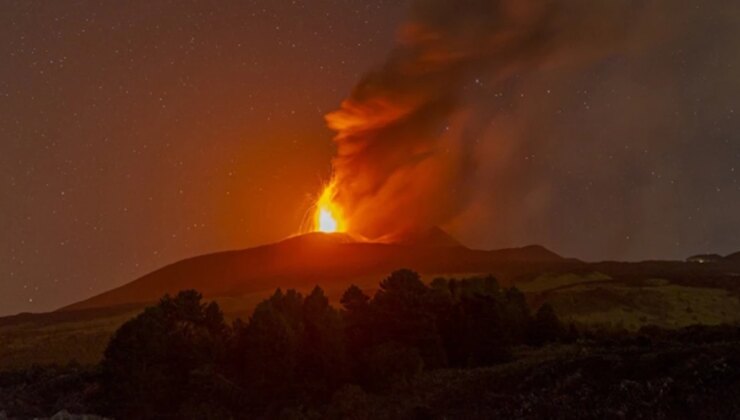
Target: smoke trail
407, 133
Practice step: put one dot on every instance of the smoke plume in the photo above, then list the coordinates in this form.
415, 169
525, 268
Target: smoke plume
414, 138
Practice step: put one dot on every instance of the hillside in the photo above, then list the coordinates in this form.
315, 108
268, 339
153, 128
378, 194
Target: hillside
670, 294
316, 258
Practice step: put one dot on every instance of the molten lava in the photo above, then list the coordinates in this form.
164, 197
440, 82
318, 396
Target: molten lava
328, 216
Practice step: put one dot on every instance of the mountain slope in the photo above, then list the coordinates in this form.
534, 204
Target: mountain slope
316, 258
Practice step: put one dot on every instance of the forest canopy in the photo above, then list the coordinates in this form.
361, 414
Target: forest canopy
180, 358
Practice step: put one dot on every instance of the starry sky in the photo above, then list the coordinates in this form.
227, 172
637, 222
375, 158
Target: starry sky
134, 134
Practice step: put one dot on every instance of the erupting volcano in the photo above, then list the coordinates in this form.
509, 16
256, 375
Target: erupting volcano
328, 217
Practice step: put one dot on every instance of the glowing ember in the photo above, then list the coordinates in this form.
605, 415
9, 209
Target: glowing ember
328, 216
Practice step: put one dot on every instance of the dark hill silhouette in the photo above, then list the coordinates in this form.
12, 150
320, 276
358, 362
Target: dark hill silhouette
431, 237
324, 259
705, 258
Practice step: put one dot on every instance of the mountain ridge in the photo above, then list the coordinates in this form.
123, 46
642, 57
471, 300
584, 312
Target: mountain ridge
311, 259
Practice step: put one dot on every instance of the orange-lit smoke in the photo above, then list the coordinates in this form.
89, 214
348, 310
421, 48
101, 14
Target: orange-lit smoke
406, 135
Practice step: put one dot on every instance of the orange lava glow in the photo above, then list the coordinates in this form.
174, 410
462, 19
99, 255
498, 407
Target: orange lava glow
328, 215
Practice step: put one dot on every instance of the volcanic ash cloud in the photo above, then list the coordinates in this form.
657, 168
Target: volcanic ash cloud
407, 134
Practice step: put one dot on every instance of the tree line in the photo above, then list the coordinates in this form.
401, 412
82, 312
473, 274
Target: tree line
180, 359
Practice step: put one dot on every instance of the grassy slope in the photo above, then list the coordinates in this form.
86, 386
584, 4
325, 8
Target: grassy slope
594, 298
586, 298
45, 340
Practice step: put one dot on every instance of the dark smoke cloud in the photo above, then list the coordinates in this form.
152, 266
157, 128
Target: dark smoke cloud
495, 118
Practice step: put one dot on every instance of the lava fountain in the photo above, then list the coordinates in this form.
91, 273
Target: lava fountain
328, 216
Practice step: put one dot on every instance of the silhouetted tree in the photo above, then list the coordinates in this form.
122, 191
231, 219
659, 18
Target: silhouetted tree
546, 326
471, 320
266, 350
517, 316
354, 301
443, 302
402, 315
291, 350
358, 326
294, 353
479, 286
147, 367
483, 328
323, 364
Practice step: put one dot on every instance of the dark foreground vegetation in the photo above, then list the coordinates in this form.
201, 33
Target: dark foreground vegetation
453, 349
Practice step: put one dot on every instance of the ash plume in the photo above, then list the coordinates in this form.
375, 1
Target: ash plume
415, 133
405, 136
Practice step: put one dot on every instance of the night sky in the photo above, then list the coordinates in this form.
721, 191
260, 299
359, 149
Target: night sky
134, 134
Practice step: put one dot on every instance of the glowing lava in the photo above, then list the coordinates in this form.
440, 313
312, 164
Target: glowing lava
328, 217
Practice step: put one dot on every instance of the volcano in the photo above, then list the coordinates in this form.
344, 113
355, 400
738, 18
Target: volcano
332, 261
